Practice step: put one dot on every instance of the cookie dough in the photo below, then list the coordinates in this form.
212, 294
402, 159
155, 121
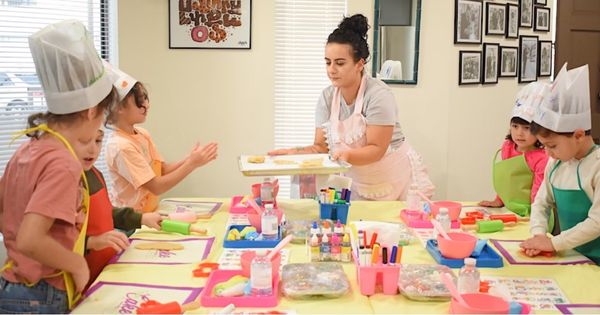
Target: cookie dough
257, 159
312, 163
284, 162
159, 246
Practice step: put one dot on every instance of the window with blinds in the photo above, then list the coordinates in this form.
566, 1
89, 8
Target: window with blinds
20, 92
301, 30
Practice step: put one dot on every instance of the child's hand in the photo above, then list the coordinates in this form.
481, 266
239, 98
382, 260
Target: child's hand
152, 219
82, 275
536, 244
492, 204
117, 240
203, 154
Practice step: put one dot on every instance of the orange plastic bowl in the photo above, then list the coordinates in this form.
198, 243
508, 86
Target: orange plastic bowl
454, 208
459, 246
479, 303
254, 218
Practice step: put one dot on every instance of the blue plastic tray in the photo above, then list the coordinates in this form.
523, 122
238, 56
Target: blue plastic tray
488, 258
249, 244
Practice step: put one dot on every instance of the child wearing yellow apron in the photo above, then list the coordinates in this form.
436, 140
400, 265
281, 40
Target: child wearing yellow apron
517, 177
138, 173
563, 124
43, 193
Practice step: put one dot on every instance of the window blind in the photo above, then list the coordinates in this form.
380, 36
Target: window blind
20, 92
301, 30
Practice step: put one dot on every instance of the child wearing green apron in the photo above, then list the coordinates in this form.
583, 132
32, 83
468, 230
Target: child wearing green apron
517, 177
563, 124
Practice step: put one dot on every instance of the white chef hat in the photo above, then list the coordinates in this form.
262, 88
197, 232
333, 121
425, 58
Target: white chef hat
566, 107
69, 68
529, 99
123, 82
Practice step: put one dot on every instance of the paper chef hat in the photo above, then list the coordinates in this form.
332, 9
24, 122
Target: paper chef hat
123, 83
566, 107
69, 68
529, 99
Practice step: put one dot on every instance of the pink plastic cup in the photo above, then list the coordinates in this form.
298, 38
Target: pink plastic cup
479, 303
459, 246
454, 208
255, 221
246, 261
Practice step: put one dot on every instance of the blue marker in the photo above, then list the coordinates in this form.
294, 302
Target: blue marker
393, 256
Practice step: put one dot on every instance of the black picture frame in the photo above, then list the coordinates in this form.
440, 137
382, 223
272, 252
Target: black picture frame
541, 19
512, 20
545, 58
468, 21
495, 21
229, 26
540, 2
525, 13
490, 56
469, 67
509, 62
528, 59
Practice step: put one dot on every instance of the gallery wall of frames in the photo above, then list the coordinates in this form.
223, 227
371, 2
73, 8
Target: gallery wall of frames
484, 23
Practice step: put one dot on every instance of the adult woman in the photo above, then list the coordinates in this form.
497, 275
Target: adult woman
356, 121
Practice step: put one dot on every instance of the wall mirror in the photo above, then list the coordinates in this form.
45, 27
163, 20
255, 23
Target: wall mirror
396, 40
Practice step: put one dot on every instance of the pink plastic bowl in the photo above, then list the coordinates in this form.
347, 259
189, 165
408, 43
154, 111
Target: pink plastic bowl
246, 261
459, 246
454, 208
254, 218
479, 303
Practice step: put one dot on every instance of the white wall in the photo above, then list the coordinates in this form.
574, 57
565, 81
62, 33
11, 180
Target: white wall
227, 96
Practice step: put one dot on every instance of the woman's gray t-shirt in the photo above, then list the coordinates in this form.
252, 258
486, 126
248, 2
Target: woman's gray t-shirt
379, 108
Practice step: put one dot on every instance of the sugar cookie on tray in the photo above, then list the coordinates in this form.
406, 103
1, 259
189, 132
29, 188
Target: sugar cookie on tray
256, 159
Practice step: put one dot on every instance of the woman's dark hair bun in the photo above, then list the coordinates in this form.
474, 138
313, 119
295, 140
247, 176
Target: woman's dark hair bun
357, 23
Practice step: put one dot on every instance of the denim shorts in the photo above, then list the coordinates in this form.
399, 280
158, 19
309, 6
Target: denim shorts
41, 298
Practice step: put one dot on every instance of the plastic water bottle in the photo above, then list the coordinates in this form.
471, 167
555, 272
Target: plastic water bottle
268, 223
266, 191
444, 219
261, 274
413, 200
468, 277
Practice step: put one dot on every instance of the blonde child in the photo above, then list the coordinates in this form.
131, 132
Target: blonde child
518, 176
563, 125
103, 241
137, 171
44, 203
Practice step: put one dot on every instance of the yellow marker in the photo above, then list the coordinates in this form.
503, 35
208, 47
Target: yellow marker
375, 256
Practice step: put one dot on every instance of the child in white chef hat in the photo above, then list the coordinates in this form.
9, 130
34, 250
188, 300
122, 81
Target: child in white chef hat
44, 199
563, 124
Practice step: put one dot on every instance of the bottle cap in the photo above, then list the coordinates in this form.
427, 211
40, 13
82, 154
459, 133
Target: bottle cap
444, 210
261, 252
268, 206
470, 261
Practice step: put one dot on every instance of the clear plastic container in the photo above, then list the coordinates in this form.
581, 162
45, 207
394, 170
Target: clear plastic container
266, 191
261, 274
422, 282
468, 277
314, 280
444, 219
268, 223
413, 200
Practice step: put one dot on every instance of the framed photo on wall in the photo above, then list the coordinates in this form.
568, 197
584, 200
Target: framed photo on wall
508, 61
512, 20
468, 19
210, 24
526, 13
528, 57
540, 2
542, 19
545, 60
469, 67
490, 63
496, 19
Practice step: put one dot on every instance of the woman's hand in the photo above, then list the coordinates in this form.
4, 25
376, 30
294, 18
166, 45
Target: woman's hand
342, 156
283, 151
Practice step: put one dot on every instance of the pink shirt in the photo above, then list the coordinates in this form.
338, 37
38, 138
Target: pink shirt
536, 160
129, 159
42, 177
